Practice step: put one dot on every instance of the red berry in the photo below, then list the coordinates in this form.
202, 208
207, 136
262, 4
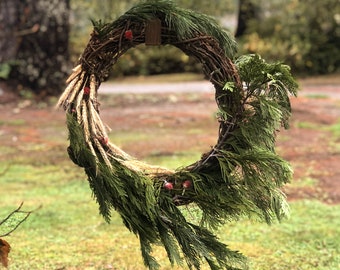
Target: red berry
86, 90
104, 140
168, 185
128, 34
186, 184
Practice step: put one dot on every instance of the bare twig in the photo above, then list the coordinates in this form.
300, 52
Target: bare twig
34, 29
18, 210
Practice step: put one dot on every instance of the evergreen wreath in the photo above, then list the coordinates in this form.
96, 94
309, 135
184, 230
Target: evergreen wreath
240, 176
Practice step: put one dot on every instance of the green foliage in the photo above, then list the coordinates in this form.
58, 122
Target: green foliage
242, 179
5, 69
141, 60
215, 8
144, 60
147, 212
111, 9
303, 34
185, 23
270, 84
247, 163
240, 176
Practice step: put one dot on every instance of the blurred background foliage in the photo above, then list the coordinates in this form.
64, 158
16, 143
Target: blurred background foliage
303, 34
38, 46
142, 60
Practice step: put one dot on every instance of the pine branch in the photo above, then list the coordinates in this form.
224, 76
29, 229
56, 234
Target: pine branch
240, 176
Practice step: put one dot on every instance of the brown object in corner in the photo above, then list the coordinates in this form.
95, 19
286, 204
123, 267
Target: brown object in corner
153, 32
5, 248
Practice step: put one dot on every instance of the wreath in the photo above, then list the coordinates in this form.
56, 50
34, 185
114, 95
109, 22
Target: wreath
240, 176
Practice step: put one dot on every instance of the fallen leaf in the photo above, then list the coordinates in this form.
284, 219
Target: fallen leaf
5, 248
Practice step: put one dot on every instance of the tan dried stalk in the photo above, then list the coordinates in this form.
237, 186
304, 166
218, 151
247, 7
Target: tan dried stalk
93, 124
78, 109
98, 122
93, 88
117, 152
85, 122
77, 88
76, 70
102, 152
66, 93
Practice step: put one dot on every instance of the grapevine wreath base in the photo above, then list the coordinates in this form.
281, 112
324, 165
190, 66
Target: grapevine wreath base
239, 176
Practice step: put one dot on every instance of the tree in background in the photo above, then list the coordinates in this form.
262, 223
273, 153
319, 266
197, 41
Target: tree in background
303, 34
247, 12
35, 39
34, 44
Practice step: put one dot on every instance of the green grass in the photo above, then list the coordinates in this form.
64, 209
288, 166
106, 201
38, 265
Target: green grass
173, 160
317, 96
15, 122
333, 128
309, 239
68, 233
304, 182
308, 125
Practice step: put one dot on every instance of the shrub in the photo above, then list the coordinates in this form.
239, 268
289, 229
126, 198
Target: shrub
303, 34
146, 60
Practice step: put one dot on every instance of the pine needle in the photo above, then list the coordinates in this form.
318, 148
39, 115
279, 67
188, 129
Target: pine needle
240, 176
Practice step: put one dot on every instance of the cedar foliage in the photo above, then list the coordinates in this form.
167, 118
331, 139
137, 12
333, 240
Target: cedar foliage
240, 176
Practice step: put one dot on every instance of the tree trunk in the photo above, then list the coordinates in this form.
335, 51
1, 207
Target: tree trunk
247, 11
34, 36
8, 24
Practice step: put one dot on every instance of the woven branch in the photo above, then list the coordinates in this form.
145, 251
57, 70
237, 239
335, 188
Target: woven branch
99, 57
240, 175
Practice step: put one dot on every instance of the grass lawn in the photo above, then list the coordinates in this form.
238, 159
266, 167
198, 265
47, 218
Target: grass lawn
67, 232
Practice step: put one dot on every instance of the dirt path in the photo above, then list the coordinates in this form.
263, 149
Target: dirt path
330, 89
